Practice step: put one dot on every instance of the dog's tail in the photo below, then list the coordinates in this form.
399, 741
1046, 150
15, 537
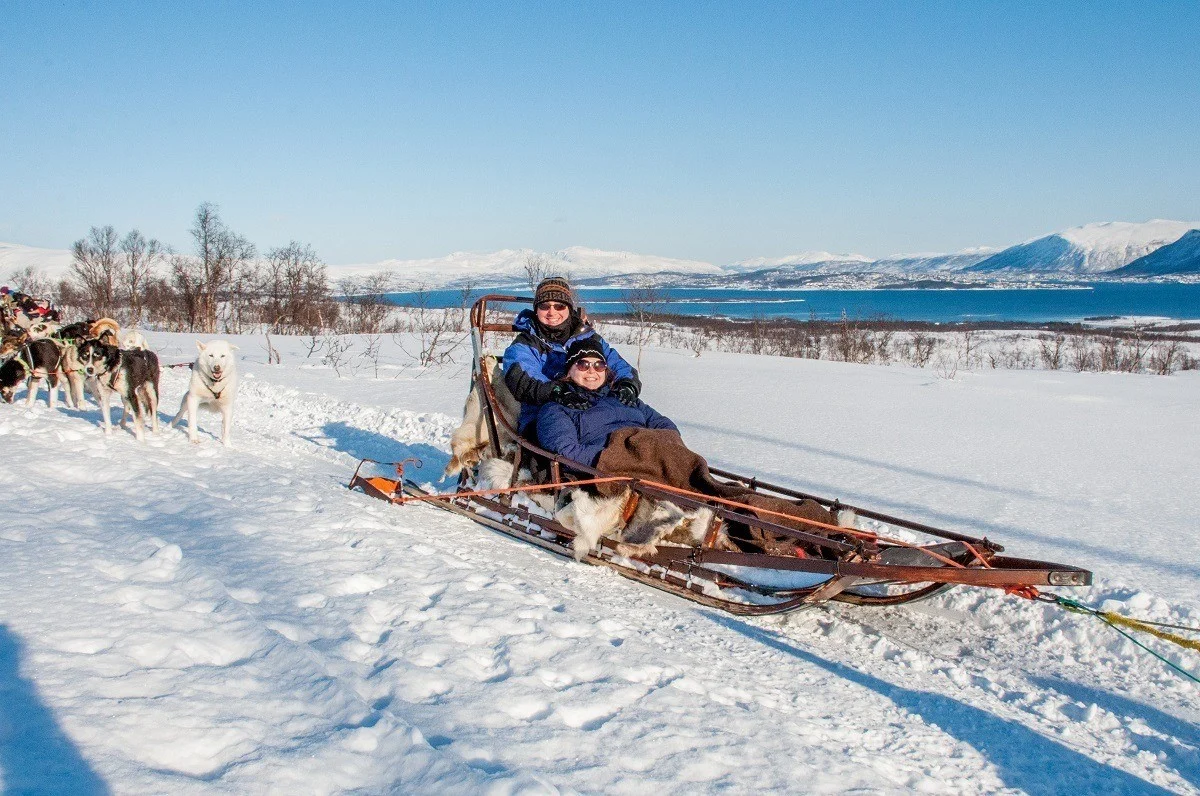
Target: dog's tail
104, 325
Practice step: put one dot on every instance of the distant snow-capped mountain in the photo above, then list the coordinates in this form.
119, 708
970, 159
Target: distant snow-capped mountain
797, 261
1078, 252
1090, 249
1180, 257
932, 263
508, 266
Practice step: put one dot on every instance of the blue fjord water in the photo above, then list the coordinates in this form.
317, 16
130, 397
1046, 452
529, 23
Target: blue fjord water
1168, 300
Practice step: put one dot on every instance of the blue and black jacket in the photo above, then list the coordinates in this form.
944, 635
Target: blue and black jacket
581, 434
532, 363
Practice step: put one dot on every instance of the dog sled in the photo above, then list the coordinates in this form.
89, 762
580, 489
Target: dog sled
897, 561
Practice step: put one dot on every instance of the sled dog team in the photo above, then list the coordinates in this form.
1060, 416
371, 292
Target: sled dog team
36, 349
565, 389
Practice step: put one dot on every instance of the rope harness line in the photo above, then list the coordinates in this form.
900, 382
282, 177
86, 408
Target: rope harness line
1117, 622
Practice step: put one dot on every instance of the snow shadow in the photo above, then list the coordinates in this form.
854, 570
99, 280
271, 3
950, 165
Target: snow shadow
863, 460
1024, 759
36, 756
1185, 760
927, 513
363, 444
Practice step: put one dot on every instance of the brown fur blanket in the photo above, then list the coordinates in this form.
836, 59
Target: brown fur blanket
660, 455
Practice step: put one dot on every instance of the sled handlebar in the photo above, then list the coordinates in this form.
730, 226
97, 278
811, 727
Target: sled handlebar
480, 307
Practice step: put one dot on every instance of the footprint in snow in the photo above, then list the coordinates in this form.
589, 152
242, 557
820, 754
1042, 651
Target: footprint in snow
527, 709
159, 567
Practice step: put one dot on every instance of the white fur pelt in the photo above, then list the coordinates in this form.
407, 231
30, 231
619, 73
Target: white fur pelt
654, 522
496, 473
470, 440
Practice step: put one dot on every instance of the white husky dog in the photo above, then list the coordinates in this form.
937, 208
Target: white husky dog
214, 385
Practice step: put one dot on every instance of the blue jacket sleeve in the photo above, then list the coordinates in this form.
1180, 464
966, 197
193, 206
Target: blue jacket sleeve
557, 433
523, 374
654, 419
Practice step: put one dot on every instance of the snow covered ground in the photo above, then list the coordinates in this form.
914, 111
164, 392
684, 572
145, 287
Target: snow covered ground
178, 618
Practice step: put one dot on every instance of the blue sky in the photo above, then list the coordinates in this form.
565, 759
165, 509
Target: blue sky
715, 131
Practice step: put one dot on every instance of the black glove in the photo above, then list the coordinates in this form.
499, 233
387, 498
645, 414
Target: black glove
562, 393
626, 391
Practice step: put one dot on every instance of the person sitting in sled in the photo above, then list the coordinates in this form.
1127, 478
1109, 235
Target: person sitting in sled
537, 359
635, 441
579, 428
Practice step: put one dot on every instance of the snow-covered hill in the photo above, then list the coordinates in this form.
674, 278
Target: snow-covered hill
1180, 257
508, 266
53, 263
797, 261
1090, 249
932, 263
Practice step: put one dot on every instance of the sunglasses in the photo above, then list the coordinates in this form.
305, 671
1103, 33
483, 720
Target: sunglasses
597, 365
557, 306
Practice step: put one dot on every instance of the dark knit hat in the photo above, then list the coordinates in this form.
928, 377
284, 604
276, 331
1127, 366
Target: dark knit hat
554, 288
584, 347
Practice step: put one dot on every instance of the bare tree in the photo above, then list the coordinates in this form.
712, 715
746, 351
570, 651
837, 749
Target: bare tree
537, 268
139, 258
643, 302
921, 348
205, 279
95, 270
1053, 350
365, 301
1165, 356
296, 294
437, 332
31, 280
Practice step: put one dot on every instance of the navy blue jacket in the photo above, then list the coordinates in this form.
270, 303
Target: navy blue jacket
532, 363
581, 434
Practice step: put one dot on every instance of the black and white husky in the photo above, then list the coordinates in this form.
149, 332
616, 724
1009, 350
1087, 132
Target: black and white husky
32, 362
131, 374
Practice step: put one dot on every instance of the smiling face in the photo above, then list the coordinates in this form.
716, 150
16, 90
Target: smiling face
552, 314
589, 373
216, 358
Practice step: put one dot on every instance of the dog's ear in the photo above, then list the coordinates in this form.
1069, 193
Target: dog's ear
232, 347
199, 345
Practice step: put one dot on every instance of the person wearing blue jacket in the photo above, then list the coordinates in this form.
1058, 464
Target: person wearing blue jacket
536, 360
579, 430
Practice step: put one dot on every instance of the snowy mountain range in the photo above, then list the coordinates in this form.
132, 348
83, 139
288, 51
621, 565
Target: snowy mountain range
1090, 249
1112, 248
1180, 257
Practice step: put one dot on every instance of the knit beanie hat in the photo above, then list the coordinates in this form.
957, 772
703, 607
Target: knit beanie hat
554, 288
584, 347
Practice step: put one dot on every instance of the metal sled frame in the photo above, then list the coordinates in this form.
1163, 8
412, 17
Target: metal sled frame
855, 567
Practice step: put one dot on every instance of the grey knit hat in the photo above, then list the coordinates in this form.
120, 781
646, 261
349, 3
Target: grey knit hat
554, 288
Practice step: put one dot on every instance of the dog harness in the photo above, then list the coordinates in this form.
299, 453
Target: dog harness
212, 386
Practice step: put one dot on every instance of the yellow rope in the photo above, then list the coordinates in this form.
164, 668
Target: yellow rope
1117, 619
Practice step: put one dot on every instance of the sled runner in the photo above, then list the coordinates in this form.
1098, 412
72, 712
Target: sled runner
809, 562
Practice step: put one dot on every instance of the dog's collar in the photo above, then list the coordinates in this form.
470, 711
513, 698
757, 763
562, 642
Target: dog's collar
211, 383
